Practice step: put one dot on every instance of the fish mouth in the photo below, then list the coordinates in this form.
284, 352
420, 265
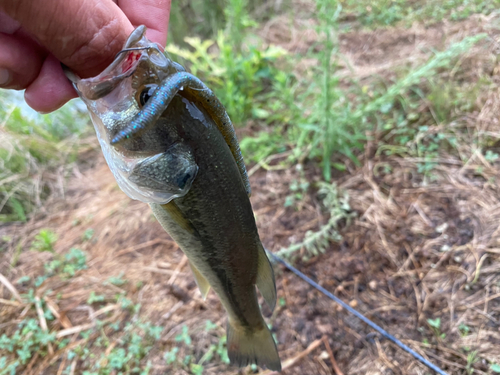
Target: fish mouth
136, 49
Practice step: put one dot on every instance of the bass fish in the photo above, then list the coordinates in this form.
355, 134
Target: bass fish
170, 143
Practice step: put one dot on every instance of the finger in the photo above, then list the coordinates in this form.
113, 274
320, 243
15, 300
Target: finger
51, 89
20, 61
8, 25
83, 34
151, 13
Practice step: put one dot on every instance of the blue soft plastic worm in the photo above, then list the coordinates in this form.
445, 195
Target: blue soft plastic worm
162, 97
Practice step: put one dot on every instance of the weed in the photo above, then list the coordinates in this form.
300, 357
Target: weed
335, 124
298, 190
495, 367
44, 241
88, 234
389, 12
65, 266
239, 78
171, 356
337, 206
117, 280
184, 336
32, 143
472, 358
380, 12
464, 329
28, 339
435, 325
491, 156
94, 298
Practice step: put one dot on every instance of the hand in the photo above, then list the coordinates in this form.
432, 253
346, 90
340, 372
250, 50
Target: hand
85, 35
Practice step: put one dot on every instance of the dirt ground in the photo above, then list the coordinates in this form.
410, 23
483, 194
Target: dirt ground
416, 249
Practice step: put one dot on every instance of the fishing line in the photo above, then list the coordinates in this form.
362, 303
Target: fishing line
357, 314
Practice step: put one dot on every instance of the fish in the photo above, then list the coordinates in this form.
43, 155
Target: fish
170, 143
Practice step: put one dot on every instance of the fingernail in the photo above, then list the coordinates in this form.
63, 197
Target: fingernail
5, 77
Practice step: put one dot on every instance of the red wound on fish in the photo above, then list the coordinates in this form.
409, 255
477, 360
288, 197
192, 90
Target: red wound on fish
129, 61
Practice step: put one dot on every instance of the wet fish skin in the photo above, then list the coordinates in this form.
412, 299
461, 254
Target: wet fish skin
185, 155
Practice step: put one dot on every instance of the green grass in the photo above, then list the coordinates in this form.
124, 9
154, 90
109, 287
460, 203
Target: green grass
33, 147
378, 13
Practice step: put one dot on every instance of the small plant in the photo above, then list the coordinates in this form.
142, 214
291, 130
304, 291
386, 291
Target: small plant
495, 367
464, 329
44, 241
435, 325
65, 266
171, 356
93, 298
491, 156
88, 234
298, 189
184, 336
117, 280
472, 358
338, 207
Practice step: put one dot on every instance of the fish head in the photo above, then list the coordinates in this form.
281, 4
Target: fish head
113, 98
121, 90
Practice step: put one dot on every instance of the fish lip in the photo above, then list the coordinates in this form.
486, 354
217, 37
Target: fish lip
134, 49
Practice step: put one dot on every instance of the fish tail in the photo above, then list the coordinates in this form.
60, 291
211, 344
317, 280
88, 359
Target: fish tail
246, 346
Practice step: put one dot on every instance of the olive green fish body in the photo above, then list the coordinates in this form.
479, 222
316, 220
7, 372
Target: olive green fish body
169, 143
215, 227
223, 242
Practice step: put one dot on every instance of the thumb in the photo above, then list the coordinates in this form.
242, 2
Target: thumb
85, 35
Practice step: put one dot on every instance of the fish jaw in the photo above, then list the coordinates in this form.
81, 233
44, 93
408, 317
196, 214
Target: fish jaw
112, 99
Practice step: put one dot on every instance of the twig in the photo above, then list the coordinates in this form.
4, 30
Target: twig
61, 366
142, 246
11, 287
43, 322
177, 270
70, 331
332, 358
9, 302
291, 361
73, 367
158, 270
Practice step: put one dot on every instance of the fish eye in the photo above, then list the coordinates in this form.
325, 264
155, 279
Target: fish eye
144, 94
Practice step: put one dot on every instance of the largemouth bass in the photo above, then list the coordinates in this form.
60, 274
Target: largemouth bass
169, 143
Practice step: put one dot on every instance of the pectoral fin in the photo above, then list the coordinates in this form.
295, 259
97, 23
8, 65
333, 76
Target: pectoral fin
171, 171
265, 279
202, 283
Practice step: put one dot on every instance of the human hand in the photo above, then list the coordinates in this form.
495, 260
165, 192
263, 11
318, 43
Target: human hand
85, 35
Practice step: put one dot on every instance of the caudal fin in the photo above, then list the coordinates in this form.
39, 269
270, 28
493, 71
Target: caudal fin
245, 347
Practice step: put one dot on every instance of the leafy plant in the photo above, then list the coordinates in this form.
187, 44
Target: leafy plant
44, 241
337, 206
239, 76
88, 234
27, 340
435, 325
